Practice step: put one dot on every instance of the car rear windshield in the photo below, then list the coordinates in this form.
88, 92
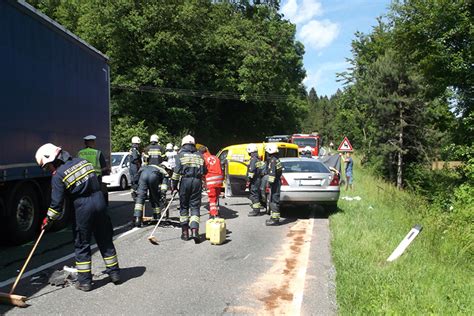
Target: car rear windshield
304, 166
303, 142
116, 159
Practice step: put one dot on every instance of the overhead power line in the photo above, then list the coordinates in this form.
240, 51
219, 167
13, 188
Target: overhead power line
206, 94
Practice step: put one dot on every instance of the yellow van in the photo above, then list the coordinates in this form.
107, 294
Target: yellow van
234, 159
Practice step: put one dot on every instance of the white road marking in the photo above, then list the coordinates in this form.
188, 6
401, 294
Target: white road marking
301, 276
67, 257
281, 288
120, 193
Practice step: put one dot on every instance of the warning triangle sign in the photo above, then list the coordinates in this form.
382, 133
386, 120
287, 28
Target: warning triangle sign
345, 145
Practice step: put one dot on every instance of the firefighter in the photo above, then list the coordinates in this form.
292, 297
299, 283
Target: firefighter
135, 164
150, 180
171, 155
254, 179
94, 156
165, 185
75, 179
306, 152
214, 179
274, 171
189, 170
153, 153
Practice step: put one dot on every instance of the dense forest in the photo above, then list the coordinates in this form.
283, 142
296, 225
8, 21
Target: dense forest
224, 71
232, 71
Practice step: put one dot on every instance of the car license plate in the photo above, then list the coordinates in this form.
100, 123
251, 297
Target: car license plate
310, 182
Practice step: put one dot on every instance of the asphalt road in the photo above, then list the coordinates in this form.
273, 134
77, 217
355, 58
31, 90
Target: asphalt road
258, 270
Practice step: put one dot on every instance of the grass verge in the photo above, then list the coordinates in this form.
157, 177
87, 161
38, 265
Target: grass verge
433, 276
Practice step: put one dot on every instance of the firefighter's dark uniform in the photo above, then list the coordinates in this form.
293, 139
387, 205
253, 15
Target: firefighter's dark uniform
165, 185
189, 170
151, 178
274, 171
77, 180
155, 154
254, 177
135, 164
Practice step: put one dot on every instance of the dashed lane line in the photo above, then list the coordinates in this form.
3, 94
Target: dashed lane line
119, 193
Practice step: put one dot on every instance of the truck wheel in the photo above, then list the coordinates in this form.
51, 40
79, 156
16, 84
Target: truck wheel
123, 183
24, 219
63, 220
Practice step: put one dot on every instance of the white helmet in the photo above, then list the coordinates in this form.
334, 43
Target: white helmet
188, 139
251, 148
307, 149
175, 147
154, 138
46, 154
136, 140
166, 164
169, 146
271, 148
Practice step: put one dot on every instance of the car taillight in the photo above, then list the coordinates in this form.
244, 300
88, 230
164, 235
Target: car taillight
283, 181
335, 181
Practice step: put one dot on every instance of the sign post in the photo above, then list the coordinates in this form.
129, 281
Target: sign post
345, 145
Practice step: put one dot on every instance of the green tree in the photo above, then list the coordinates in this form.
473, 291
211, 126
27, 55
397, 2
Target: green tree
206, 67
438, 37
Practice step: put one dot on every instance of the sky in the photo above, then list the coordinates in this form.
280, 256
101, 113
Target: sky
326, 28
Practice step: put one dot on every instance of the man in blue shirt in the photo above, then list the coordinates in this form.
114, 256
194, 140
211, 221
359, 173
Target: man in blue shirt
349, 166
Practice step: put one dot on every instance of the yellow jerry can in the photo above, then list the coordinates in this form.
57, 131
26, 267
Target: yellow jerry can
217, 231
208, 228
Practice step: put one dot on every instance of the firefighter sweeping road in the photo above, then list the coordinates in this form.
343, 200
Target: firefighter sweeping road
259, 269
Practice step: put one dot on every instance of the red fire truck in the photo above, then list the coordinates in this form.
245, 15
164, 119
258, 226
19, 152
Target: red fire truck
312, 140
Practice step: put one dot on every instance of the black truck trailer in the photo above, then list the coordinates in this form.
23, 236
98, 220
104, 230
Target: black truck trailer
54, 88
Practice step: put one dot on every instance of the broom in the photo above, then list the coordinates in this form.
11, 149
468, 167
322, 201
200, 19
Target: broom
152, 238
18, 300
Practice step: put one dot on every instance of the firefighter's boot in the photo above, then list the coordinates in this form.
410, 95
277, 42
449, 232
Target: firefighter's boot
272, 221
86, 287
137, 221
195, 235
254, 212
115, 278
185, 232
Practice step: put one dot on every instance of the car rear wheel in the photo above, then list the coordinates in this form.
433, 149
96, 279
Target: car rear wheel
331, 208
123, 183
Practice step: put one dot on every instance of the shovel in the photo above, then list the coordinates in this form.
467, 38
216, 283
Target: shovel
152, 238
18, 300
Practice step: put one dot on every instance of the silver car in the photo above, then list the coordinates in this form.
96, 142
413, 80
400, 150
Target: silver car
308, 181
